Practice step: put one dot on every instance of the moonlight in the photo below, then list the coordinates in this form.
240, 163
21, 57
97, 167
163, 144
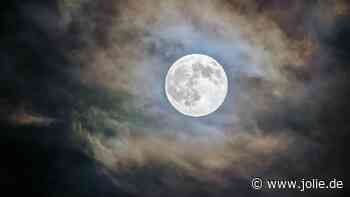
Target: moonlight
196, 85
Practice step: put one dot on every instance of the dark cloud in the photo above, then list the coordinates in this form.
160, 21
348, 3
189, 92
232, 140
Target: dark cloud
83, 110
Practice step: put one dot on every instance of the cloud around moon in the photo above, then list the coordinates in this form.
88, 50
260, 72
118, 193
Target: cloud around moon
84, 86
269, 66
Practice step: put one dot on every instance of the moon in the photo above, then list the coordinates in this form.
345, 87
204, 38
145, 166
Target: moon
196, 85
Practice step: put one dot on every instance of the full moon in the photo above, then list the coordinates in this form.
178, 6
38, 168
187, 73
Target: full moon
196, 85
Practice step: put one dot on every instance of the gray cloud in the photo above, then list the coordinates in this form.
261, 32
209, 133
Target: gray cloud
273, 122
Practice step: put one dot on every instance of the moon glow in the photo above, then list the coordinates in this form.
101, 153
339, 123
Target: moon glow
196, 85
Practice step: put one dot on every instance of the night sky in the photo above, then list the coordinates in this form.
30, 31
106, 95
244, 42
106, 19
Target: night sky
83, 110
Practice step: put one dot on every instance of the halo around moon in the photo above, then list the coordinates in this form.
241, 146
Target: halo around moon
196, 85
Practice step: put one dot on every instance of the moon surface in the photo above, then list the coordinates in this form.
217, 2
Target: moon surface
196, 85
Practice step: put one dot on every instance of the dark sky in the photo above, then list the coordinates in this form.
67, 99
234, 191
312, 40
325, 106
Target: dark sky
57, 89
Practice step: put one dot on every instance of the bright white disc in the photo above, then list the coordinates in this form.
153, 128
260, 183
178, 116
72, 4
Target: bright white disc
196, 85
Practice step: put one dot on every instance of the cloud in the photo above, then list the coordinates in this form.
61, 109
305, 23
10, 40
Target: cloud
130, 45
99, 67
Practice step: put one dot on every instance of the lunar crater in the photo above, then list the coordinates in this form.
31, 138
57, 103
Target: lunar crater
196, 85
